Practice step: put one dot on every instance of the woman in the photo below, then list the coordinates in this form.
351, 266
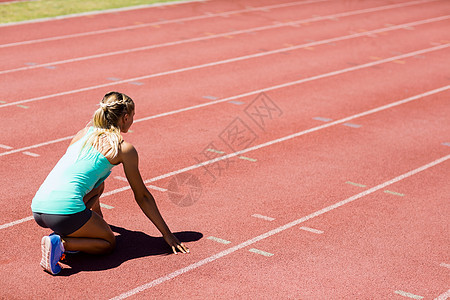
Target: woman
68, 200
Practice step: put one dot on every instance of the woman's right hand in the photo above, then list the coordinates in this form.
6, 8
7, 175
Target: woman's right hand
175, 244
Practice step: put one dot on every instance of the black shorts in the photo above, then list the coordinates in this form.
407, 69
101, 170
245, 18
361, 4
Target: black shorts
63, 225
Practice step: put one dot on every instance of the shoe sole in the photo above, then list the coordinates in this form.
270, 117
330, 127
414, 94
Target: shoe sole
45, 261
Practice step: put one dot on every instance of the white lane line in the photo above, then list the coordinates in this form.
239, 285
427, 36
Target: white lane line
260, 252
194, 18
316, 231
37, 145
213, 36
240, 58
263, 217
157, 188
276, 230
222, 241
3, 226
368, 112
31, 154
409, 295
106, 206
6, 147
443, 296
445, 265
121, 178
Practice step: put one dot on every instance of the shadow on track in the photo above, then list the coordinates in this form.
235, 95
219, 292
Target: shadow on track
130, 245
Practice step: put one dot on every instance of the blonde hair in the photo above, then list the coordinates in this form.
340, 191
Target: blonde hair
106, 123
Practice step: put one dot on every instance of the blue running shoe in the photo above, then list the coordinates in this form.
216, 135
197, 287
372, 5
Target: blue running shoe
52, 251
66, 251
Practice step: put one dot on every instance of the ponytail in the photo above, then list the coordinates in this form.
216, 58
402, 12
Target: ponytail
105, 122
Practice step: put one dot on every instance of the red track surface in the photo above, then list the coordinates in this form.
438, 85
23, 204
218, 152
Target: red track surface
390, 240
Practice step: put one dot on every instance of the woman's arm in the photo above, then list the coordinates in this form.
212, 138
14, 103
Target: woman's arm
130, 160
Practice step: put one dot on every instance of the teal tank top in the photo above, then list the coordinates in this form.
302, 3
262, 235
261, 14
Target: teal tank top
75, 175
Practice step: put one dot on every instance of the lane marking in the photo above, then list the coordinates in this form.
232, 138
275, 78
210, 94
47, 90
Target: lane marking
37, 145
215, 151
31, 154
106, 206
409, 295
275, 231
248, 158
323, 119
153, 187
316, 231
215, 239
199, 17
317, 128
2, 101
137, 83
260, 252
394, 193
202, 38
3, 226
113, 78
445, 265
236, 102
446, 144
356, 184
6, 147
443, 296
352, 125
22, 106
210, 97
263, 217
157, 188
250, 56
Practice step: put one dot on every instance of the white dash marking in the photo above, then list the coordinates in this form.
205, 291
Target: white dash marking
156, 188
409, 295
120, 178
352, 125
446, 144
31, 154
443, 296
317, 231
260, 252
106, 206
263, 217
210, 97
323, 119
445, 265
6, 147
222, 241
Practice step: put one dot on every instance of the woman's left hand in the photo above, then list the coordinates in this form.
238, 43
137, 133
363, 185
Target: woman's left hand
175, 244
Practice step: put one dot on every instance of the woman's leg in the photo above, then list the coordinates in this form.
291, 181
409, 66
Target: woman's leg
95, 236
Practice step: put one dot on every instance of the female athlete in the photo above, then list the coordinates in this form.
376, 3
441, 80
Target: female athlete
68, 200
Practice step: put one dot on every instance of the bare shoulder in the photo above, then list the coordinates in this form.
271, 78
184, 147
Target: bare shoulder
79, 135
128, 152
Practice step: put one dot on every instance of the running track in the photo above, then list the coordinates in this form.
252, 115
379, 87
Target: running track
335, 187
